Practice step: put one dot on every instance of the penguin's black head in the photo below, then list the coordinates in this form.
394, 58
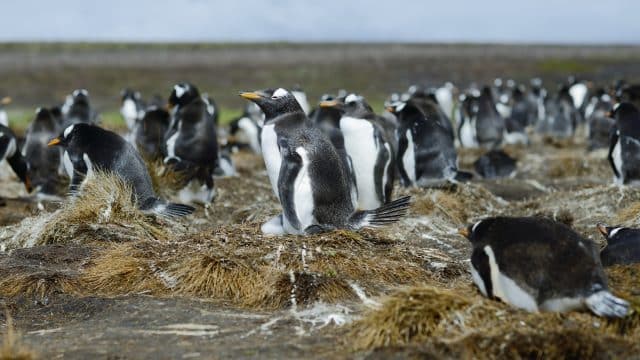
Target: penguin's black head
273, 103
68, 135
182, 94
477, 231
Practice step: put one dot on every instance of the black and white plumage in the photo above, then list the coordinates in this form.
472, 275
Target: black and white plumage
369, 148
537, 264
308, 175
495, 164
131, 107
191, 144
9, 151
88, 148
623, 245
624, 144
426, 153
44, 161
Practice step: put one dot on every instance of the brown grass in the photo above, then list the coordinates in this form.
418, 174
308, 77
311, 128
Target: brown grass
12, 348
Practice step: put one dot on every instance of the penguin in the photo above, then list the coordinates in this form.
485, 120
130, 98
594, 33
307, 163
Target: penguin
80, 110
623, 245
9, 151
149, 131
131, 107
495, 164
624, 144
44, 161
369, 148
426, 153
4, 118
308, 175
518, 118
191, 145
537, 264
489, 123
88, 147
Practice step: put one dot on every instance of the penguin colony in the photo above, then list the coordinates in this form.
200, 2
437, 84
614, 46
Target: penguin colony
334, 166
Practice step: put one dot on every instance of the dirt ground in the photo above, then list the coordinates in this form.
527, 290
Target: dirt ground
95, 278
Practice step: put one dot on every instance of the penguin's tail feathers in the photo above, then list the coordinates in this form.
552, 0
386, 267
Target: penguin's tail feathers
384, 215
605, 304
164, 208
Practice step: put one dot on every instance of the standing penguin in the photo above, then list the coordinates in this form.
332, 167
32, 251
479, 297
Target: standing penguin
131, 107
307, 174
426, 153
537, 264
624, 144
44, 161
191, 144
369, 148
623, 245
9, 151
87, 148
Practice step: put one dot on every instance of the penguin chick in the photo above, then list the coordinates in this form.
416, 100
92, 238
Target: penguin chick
537, 264
88, 147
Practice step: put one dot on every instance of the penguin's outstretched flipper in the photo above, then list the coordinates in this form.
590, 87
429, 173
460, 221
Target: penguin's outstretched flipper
384, 215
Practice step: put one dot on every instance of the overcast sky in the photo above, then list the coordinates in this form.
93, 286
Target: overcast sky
546, 21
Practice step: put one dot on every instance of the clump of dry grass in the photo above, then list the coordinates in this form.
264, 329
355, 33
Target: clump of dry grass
103, 210
12, 348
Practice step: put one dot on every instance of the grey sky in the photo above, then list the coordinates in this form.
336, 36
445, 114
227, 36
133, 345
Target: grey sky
557, 21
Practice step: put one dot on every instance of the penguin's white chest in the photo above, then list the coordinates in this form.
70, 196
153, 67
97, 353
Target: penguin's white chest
409, 158
271, 155
129, 112
302, 195
360, 143
616, 154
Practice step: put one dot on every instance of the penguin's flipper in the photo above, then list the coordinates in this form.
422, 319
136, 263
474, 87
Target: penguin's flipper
605, 304
289, 169
384, 215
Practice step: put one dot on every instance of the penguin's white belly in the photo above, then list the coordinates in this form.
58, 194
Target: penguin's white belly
251, 130
360, 143
468, 134
506, 289
302, 197
409, 158
271, 155
617, 159
129, 112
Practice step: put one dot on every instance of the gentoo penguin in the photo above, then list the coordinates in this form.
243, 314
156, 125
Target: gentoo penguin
624, 144
4, 118
369, 148
88, 147
80, 110
131, 107
149, 131
623, 245
518, 119
426, 153
44, 161
301, 98
495, 164
538, 264
9, 151
191, 144
308, 175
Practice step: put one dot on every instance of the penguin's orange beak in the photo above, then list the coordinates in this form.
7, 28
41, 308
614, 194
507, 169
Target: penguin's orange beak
328, 104
602, 229
249, 95
54, 141
464, 232
6, 100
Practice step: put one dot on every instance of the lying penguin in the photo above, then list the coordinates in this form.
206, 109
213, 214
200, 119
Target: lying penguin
307, 174
426, 153
623, 245
88, 147
370, 150
538, 264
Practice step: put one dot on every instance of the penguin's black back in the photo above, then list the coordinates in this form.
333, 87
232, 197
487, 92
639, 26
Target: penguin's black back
542, 254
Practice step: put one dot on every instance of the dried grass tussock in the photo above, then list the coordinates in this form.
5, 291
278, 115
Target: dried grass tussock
102, 211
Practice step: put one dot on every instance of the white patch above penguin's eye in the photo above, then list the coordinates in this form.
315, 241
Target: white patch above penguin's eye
279, 93
68, 130
180, 90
